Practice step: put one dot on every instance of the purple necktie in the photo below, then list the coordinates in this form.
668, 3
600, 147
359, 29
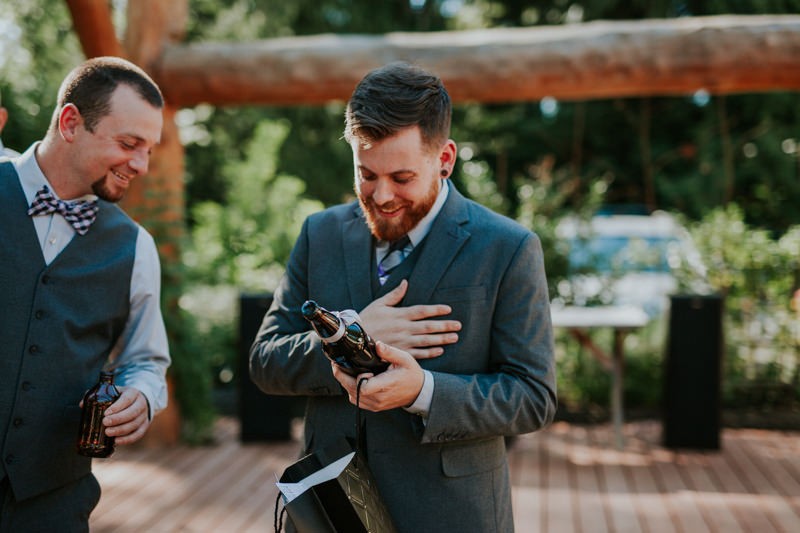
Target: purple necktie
80, 214
397, 251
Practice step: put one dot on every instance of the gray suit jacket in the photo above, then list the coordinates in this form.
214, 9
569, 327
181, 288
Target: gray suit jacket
448, 473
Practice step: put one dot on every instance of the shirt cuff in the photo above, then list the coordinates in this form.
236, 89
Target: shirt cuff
422, 405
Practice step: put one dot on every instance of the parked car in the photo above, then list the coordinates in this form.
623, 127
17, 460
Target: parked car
626, 259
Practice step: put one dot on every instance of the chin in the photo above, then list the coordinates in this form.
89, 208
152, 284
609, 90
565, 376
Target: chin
110, 194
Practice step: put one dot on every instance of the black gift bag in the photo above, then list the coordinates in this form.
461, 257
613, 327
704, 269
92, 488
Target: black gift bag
333, 491
347, 503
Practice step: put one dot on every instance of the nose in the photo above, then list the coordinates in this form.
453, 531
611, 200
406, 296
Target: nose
383, 192
140, 161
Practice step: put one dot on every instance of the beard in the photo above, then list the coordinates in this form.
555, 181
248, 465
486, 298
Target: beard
393, 229
103, 191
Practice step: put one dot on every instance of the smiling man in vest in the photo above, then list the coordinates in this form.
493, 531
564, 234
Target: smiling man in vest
79, 292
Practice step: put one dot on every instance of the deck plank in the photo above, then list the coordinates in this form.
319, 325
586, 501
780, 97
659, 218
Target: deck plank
567, 478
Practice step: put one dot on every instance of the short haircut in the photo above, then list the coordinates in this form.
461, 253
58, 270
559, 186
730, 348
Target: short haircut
394, 97
89, 87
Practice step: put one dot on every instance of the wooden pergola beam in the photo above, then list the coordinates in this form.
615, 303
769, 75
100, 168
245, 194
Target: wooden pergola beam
95, 29
721, 54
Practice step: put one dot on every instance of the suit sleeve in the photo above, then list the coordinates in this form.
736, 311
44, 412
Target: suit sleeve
286, 357
518, 393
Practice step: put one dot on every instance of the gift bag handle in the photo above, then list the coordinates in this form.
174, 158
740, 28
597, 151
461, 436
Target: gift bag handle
360, 446
361, 441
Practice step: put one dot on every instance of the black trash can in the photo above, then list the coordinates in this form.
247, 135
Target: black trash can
262, 417
693, 372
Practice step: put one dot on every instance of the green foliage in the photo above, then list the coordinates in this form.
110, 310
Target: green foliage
234, 243
757, 275
37, 49
542, 199
240, 245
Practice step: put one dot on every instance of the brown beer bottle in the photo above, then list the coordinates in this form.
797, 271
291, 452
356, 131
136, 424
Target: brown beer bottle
347, 345
92, 438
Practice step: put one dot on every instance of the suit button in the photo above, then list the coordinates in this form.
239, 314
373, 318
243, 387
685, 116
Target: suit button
10, 459
26, 386
33, 348
45, 279
17, 422
39, 314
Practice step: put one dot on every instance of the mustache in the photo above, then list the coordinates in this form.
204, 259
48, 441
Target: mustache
389, 206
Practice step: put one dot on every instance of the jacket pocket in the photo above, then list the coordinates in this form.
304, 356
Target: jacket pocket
464, 459
474, 293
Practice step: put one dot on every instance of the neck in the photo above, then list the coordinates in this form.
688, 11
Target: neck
51, 157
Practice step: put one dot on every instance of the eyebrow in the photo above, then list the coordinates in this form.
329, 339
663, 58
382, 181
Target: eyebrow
394, 173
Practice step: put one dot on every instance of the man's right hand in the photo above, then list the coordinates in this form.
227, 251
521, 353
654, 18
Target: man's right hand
409, 328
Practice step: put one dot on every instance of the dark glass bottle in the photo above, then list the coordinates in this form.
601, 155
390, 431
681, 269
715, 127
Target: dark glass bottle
347, 345
92, 438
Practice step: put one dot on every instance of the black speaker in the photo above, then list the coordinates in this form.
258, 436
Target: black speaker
693, 372
262, 417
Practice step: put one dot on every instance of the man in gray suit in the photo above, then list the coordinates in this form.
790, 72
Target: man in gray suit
463, 318
79, 292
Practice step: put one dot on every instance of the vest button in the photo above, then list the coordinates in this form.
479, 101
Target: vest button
45, 279
10, 459
39, 314
17, 422
26, 386
33, 348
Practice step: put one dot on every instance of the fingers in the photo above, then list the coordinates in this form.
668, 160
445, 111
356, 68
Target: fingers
396, 387
127, 418
393, 355
422, 312
395, 296
131, 431
426, 353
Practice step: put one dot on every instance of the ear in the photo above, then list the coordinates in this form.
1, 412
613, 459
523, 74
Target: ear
3, 117
447, 158
69, 120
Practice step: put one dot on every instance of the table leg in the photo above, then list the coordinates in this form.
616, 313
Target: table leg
617, 371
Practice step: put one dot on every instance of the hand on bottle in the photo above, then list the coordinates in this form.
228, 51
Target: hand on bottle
398, 386
409, 328
127, 419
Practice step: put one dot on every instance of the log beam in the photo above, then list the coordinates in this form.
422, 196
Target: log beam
95, 29
602, 59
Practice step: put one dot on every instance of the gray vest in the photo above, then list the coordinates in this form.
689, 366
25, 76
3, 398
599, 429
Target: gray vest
58, 323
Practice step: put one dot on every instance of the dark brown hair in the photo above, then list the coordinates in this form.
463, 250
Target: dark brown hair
394, 97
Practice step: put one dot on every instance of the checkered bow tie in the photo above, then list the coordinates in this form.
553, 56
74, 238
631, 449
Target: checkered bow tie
80, 214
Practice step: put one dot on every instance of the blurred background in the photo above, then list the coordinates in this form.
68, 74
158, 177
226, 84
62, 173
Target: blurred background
635, 199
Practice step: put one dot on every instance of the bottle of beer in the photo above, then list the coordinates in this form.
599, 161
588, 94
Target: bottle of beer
344, 342
92, 438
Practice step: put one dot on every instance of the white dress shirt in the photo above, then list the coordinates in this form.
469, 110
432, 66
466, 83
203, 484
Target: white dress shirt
141, 355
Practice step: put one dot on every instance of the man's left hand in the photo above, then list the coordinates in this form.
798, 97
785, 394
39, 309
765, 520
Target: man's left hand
127, 419
398, 386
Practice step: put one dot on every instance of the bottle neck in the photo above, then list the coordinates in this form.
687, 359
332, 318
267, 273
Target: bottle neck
106, 377
325, 322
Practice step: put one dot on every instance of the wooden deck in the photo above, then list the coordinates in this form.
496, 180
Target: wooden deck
566, 479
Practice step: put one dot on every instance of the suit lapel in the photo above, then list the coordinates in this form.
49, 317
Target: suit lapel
445, 239
357, 253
